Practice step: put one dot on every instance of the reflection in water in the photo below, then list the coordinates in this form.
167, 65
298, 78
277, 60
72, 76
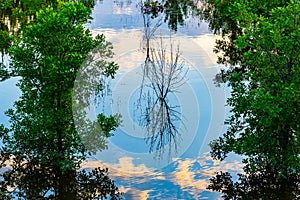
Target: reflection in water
91, 82
188, 178
127, 157
122, 3
149, 28
181, 178
175, 13
163, 73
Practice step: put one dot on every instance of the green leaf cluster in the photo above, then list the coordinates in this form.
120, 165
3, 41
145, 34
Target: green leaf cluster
260, 47
42, 149
175, 12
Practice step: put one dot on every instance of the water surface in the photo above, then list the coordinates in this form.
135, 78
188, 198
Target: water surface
181, 167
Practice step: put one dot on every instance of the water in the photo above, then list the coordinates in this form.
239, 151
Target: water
178, 165
181, 167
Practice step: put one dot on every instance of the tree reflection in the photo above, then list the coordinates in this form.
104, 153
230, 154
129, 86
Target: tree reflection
262, 184
163, 74
91, 81
150, 27
175, 12
122, 3
258, 72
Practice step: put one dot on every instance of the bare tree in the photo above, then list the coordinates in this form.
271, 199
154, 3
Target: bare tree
164, 73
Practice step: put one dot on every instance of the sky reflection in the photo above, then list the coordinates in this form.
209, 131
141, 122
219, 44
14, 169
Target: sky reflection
185, 174
182, 179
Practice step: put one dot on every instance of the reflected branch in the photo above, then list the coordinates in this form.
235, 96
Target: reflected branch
149, 29
164, 74
91, 82
122, 3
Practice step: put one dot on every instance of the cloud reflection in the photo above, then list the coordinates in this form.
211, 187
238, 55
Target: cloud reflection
120, 11
182, 179
135, 194
193, 174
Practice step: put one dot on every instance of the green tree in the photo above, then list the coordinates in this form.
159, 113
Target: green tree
175, 12
222, 18
42, 150
16, 14
262, 55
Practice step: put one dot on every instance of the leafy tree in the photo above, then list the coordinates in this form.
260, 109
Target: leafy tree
175, 12
16, 14
222, 19
261, 52
42, 150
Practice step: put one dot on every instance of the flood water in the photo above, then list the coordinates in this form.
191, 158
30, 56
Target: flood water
169, 105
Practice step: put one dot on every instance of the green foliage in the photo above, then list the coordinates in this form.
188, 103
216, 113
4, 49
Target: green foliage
16, 14
175, 12
42, 149
108, 124
251, 186
261, 49
227, 18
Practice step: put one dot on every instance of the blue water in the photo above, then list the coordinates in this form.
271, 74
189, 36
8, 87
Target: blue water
177, 175
8, 94
182, 174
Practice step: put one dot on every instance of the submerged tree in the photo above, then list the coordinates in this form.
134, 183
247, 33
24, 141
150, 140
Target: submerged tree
260, 47
163, 74
42, 150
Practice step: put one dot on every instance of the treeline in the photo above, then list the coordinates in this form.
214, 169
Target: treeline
45, 45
